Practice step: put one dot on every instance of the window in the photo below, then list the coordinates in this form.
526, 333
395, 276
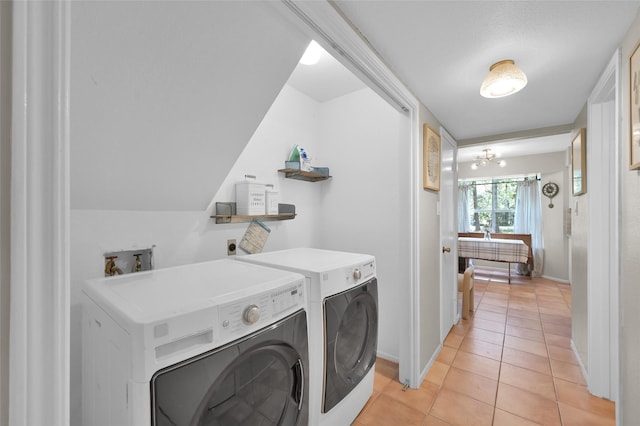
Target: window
492, 205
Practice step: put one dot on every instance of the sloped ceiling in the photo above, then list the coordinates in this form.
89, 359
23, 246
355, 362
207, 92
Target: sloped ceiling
326, 80
165, 95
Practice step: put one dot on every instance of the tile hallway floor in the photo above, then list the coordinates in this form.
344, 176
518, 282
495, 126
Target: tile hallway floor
510, 364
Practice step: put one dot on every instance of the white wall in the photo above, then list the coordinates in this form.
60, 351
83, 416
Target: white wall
552, 167
365, 205
579, 238
630, 250
556, 242
429, 258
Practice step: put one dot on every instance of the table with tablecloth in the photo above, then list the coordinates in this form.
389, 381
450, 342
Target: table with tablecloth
498, 250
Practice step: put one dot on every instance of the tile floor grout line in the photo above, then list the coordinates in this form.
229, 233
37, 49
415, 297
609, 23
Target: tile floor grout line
504, 336
555, 390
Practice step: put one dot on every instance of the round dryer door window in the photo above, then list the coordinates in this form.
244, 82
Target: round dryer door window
259, 380
351, 320
261, 387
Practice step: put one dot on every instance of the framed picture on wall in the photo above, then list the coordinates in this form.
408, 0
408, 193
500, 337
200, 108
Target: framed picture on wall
579, 162
634, 109
431, 159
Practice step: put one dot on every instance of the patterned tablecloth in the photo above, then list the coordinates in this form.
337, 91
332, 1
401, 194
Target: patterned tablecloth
515, 251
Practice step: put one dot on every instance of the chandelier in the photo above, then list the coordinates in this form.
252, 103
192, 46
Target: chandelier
483, 160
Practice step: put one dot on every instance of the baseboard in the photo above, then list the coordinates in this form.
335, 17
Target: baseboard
497, 268
388, 357
424, 372
560, 280
580, 363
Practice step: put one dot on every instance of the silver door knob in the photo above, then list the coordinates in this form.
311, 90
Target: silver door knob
446, 249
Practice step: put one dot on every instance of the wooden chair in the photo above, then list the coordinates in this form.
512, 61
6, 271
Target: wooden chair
465, 285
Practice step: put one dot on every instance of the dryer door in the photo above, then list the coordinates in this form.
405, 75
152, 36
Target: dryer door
351, 330
259, 380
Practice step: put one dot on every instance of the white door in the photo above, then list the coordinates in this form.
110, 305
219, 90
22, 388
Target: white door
448, 234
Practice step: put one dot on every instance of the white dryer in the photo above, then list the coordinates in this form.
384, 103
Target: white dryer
215, 343
343, 328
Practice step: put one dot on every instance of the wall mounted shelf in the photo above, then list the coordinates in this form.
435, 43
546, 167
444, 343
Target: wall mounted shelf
303, 175
226, 213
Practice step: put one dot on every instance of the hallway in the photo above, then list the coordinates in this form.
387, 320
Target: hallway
510, 364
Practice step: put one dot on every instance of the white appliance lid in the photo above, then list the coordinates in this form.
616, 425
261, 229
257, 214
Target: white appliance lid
310, 259
153, 295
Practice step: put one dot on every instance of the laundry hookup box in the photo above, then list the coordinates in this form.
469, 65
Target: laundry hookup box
250, 198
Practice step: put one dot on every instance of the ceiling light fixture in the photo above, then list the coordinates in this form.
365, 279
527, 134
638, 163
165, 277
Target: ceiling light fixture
482, 161
312, 54
504, 79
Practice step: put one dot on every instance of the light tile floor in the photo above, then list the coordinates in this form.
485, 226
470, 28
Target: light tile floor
510, 364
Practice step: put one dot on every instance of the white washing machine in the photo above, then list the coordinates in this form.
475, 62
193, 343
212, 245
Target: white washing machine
215, 343
343, 328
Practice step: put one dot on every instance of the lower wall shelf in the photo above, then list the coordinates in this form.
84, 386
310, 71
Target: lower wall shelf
226, 213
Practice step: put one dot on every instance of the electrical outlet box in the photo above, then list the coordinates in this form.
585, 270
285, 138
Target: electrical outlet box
231, 247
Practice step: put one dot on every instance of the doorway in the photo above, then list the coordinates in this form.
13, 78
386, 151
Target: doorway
603, 244
57, 306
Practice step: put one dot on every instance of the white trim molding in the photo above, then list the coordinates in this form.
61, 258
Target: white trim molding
560, 280
603, 243
39, 329
5, 200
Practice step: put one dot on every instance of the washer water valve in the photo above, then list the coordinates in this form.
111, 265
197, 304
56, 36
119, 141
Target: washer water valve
110, 268
137, 267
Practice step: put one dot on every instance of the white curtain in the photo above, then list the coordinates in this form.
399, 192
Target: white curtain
528, 220
463, 207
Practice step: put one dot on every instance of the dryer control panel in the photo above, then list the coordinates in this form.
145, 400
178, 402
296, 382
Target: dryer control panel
359, 273
240, 317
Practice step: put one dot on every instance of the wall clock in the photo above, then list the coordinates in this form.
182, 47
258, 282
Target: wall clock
550, 190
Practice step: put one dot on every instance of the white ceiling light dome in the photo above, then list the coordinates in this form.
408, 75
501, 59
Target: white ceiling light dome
504, 79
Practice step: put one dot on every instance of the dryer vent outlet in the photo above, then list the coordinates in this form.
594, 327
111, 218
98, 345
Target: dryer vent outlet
231, 247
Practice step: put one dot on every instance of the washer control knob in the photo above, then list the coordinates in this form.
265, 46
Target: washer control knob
251, 314
357, 274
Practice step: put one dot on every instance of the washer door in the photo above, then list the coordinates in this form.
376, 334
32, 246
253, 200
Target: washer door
351, 330
260, 380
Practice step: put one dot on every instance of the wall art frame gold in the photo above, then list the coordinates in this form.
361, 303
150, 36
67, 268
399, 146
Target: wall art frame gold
579, 162
634, 109
431, 145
